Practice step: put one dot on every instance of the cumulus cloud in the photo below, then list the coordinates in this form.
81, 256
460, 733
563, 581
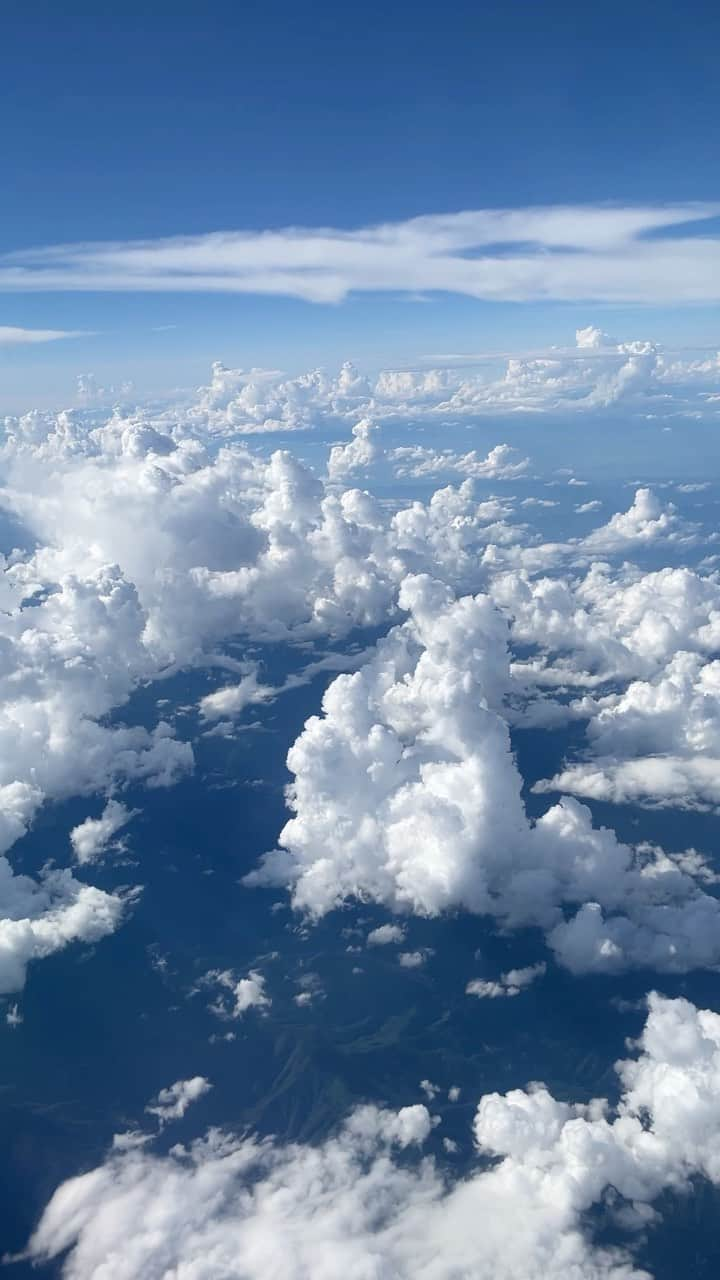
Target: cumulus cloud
385, 934
358, 455
236, 995
91, 838
638, 376
150, 546
38, 918
71, 649
414, 959
646, 522
509, 984
172, 1102
350, 1206
406, 792
232, 700
579, 252
146, 552
639, 648
201, 547
656, 742
501, 463
607, 625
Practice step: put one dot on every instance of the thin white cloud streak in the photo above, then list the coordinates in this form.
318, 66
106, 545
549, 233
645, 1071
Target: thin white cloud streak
564, 253
12, 336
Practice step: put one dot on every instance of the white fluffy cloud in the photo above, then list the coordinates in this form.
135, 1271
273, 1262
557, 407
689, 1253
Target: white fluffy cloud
91, 837
656, 742
172, 1102
508, 984
406, 792
150, 548
647, 521
40, 917
71, 649
607, 625
385, 934
637, 376
232, 699
236, 995
414, 959
501, 463
147, 552
358, 455
228, 1206
650, 638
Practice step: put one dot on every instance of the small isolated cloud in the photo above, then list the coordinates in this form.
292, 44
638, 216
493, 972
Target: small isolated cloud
501, 463
384, 934
311, 989
586, 507
429, 1089
231, 701
41, 917
91, 838
414, 959
358, 455
646, 522
236, 995
12, 336
173, 1102
508, 984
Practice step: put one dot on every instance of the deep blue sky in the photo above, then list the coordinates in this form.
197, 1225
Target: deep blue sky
124, 121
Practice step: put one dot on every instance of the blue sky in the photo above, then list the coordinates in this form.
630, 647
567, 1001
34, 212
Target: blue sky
123, 124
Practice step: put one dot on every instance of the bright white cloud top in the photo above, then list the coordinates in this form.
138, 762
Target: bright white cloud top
153, 546
163, 539
406, 792
91, 838
173, 1101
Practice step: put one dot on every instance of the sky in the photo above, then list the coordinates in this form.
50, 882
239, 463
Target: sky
359, 641
125, 124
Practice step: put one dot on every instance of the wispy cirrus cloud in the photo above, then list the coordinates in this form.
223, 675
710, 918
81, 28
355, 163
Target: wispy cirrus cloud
12, 336
606, 253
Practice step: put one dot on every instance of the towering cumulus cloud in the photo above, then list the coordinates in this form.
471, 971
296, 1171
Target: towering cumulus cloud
406, 792
145, 551
150, 543
351, 1206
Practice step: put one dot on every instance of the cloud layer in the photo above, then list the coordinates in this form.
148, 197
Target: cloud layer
151, 543
570, 253
354, 1206
406, 792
